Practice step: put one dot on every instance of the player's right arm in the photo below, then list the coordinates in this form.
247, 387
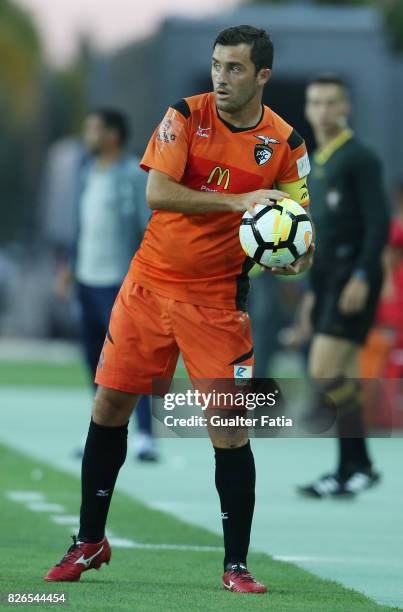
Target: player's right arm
164, 193
166, 158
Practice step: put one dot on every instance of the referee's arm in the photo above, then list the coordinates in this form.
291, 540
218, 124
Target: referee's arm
370, 195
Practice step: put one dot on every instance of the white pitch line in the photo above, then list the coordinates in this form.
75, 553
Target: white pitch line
25, 496
120, 542
66, 519
126, 543
188, 547
305, 559
45, 507
36, 504
123, 543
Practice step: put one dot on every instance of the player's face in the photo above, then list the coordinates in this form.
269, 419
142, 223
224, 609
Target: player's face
234, 77
327, 107
94, 134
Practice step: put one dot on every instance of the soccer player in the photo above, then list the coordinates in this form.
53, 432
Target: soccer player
350, 213
213, 157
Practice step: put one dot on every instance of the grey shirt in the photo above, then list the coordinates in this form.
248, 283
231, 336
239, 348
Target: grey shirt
112, 217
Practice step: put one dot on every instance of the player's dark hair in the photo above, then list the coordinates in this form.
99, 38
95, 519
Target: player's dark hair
329, 78
114, 120
261, 52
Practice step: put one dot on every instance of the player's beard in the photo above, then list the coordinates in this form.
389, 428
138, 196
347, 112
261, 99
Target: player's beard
238, 103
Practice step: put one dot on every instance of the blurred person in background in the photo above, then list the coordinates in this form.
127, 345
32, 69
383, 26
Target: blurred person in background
382, 357
271, 308
350, 212
274, 306
110, 217
390, 311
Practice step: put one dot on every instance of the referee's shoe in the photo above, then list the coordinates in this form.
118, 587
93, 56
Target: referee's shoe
332, 485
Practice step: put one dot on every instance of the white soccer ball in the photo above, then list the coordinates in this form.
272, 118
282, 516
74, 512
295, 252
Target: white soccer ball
278, 235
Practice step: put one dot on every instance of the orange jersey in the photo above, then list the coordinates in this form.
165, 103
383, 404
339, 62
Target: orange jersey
198, 258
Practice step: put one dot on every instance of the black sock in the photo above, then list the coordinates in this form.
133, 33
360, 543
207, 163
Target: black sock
104, 455
235, 481
353, 454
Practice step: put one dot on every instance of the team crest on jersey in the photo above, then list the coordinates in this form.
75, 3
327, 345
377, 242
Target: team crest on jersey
263, 152
165, 132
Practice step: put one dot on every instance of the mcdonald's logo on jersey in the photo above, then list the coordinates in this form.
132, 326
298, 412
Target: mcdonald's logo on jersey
218, 175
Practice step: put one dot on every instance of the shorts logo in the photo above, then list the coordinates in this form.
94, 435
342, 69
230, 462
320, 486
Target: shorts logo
243, 371
221, 175
262, 152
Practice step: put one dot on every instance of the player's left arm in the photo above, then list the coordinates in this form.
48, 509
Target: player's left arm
293, 179
299, 192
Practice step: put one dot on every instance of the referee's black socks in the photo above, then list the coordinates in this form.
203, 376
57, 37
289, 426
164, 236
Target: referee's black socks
235, 478
346, 397
104, 454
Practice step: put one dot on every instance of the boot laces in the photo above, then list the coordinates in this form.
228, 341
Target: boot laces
242, 573
70, 554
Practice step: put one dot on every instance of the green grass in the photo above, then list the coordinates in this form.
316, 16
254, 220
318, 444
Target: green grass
45, 374
142, 580
26, 373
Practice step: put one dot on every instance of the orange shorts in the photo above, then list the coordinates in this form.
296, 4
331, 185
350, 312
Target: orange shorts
147, 332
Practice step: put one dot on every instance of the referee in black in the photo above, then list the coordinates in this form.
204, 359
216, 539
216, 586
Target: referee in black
350, 213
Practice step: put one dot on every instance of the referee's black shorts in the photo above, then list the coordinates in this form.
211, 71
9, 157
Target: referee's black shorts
327, 281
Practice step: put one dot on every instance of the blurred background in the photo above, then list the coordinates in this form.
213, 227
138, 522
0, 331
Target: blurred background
60, 59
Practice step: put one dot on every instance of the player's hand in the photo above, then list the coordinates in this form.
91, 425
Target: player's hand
301, 265
266, 197
354, 296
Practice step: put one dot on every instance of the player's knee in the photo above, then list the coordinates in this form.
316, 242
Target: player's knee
324, 370
318, 370
229, 438
320, 366
112, 407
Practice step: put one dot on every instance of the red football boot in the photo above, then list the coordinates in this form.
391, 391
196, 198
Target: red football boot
79, 558
238, 580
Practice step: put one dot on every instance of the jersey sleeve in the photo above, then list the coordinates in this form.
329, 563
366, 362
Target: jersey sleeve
294, 169
167, 150
298, 191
